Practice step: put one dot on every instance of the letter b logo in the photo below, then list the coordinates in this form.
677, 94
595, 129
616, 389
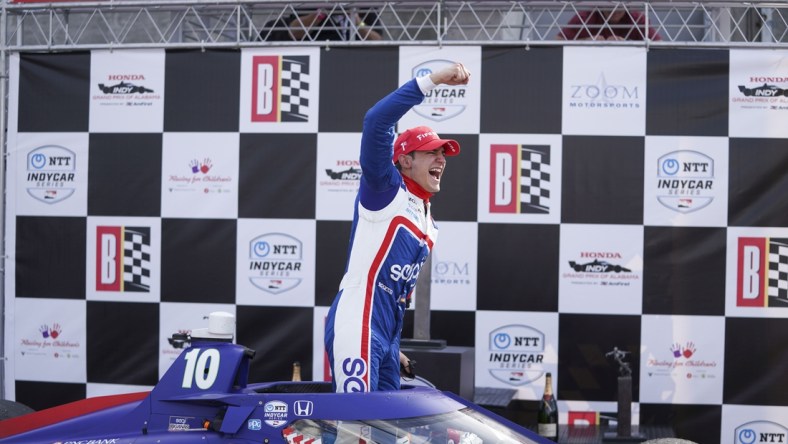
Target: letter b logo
751, 266
504, 170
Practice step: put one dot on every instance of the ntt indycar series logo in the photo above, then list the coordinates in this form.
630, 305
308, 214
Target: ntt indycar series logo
685, 181
51, 171
275, 262
443, 102
760, 431
516, 354
275, 413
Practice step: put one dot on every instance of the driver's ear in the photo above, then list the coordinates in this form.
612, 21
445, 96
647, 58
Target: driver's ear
405, 160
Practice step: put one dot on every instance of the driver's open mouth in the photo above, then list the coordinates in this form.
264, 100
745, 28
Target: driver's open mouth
436, 172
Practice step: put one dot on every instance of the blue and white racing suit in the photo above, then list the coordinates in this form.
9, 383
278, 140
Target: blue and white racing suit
391, 237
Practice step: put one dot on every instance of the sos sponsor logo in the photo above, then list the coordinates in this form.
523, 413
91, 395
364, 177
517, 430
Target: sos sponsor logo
275, 262
123, 260
275, 413
520, 179
516, 354
444, 101
685, 181
280, 86
604, 95
354, 371
760, 431
51, 171
405, 273
760, 280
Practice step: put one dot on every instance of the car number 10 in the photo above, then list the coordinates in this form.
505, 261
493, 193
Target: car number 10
201, 368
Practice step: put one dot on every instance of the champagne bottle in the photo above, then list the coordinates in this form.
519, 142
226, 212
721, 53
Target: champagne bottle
547, 419
296, 371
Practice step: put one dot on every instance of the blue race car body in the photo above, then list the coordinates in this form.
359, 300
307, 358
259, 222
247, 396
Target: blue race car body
204, 397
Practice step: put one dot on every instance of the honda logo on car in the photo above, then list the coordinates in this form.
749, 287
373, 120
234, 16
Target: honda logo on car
303, 408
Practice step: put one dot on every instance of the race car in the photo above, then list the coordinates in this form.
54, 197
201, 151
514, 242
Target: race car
763, 91
124, 88
348, 174
205, 397
598, 266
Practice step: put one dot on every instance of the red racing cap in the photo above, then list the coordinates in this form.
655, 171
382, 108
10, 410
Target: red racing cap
423, 138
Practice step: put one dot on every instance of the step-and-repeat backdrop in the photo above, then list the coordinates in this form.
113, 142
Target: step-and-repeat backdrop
605, 198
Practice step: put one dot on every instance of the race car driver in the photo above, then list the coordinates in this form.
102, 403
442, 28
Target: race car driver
391, 236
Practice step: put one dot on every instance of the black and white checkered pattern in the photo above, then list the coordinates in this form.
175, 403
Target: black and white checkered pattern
136, 260
295, 80
778, 270
535, 179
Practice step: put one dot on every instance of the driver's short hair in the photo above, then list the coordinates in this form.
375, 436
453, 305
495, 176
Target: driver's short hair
412, 154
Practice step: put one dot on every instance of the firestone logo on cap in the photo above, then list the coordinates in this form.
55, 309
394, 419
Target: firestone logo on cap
419, 137
430, 134
423, 138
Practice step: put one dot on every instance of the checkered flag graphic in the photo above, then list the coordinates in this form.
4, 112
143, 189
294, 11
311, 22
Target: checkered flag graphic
295, 83
136, 259
535, 179
778, 269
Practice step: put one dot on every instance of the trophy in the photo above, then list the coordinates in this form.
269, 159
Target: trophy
624, 430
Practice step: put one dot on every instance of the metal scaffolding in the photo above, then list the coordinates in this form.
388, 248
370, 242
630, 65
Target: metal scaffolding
243, 23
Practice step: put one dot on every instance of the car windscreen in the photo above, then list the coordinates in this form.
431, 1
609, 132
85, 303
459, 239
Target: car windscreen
465, 426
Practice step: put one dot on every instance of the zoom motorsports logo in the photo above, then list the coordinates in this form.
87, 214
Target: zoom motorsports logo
516, 354
685, 180
604, 95
51, 171
275, 261
443, 102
